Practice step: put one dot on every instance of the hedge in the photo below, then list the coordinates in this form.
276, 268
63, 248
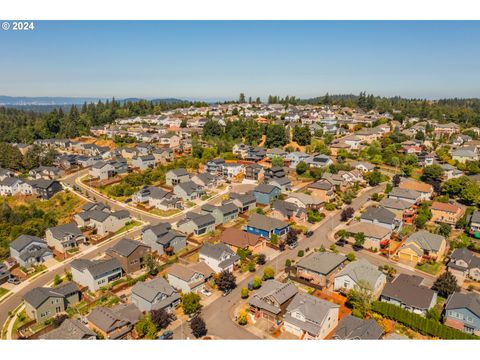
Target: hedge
419, 323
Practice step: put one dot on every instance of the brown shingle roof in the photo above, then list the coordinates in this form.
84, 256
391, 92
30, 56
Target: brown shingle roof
239, 238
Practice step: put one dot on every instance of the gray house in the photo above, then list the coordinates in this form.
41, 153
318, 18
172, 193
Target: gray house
177, 176
96, 273
30, 250
245, 202
162, 238
412, 196
155, 295
379, 216
218, 256
320, 267
223, 214
188, 190
205, 180
196, 224
353, 328
407, 292
64, 237
144, 162
102, 221
43, 303
70, 330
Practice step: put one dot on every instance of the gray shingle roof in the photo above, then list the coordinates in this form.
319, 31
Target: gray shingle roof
39, 295
96, 267
470, 301
149, 290
263, 222
353, 328
407, 290
280, 292
69, 330
405, 193
378, 213
361, 270
125, 247
215, 251
23, 241
265, 188
322, 262
427, 240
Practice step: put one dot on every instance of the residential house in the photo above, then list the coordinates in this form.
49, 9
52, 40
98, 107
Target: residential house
45, 189
102, 170
130, 254
46, 172
163, 156
271, 153
162, 239
157, 198
254, 172
245, 202
70, 329
215, 166
114, 323
380, 216
196, 224
310, 318
265, 193
446, 213
411, 196
446, 129
354, 328
238, 239
323, 190
272, 299
422, 245
232, 170
43, 303
407, 292
191, 278
156, 294
320, 267
464, 264
464, 154
425, 190
475, 223
462, 312
223, 214
404, 210
358, 274
296, 157
288, 211
266, 227
188, 191
95, 274
375, 235
319, 161
363, 166
304, 201
176, 176
4, 274
28, 250
64, 237
102, 221
144, 162
10, 186
218, 256
450, 172
205, 180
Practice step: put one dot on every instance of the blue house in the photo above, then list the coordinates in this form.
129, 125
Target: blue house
265, 193
462, 312
265, 226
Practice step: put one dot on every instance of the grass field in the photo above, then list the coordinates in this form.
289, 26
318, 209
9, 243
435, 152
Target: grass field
430, 268
3, 292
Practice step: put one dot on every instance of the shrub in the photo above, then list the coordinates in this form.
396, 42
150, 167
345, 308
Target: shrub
257, 282
300, 253
419, 323
244, 293
288, 263
268, 273
242, 318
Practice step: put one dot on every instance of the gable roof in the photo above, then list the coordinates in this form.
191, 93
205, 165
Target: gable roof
277, 291
23, 241
149, 290
407, 289
265, 188
361, 270
239, 238
39, 295
96, 267
322, 262
264, 222
405, 193
426, 240
369, 230
125, 247
417, 186
378, 213
69, 330
353, 328
470, 301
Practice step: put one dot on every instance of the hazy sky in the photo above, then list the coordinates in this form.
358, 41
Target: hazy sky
218, 60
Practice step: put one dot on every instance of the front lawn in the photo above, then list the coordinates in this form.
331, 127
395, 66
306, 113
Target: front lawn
165, 213
128, 226
431, 268
3, 292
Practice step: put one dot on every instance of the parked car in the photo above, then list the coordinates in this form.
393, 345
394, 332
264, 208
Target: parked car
128, 200
13, 280
309, 234
206, 292
225, 293
293, 246
167, 335
340, 242
250, 286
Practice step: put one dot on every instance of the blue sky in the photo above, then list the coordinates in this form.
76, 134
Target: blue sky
218, 60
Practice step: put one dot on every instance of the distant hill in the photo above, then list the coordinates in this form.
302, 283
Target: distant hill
57, 101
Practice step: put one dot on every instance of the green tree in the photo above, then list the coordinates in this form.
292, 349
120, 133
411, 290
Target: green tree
198, 327
145, 328
277, 161
191, 303
276, 136
184, 123
225, 281
268, 273
434, 172
57, 280
302, 135
242, 318
446, 284
361, 297
359, 239
301, 168
256, 282
244, 293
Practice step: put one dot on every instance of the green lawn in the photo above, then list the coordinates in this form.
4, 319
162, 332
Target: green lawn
165, 213
128, 226
3, 292
430, 268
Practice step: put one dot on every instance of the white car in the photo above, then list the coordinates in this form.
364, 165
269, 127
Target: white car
205, 292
